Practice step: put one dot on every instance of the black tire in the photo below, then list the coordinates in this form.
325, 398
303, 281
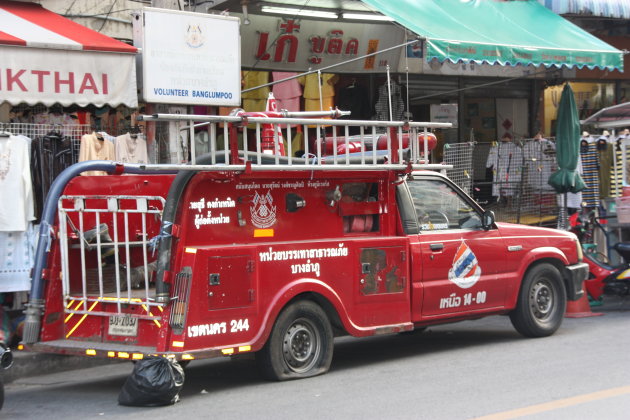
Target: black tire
541, 303
300, 344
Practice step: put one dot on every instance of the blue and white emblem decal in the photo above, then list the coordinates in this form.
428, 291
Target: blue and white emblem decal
465, 270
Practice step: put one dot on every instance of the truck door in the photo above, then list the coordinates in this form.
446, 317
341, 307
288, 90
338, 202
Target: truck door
460, 262
382, 290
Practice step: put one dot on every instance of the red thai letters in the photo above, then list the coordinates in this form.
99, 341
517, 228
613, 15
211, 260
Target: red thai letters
25, 80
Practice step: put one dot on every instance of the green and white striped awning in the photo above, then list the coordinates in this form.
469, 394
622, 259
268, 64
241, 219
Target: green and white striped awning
500, 32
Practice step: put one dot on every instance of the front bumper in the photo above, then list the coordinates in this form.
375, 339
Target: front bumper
576, 274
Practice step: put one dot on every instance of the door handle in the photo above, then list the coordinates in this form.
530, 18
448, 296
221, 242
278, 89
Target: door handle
436, 247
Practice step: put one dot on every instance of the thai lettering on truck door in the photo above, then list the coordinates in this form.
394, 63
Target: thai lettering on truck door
459, 260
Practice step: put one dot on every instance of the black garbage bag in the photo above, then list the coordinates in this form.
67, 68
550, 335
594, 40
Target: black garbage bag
154, 381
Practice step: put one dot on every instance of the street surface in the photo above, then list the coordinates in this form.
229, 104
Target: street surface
469, 370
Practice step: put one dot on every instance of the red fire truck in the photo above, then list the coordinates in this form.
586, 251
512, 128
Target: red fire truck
244, 251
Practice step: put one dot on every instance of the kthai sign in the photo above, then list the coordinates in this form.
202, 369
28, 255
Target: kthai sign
48, 76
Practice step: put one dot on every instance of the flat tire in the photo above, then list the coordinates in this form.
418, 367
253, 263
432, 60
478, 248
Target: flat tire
300, 344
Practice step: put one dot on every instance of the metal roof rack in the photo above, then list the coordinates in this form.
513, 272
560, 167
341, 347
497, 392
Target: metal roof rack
328, 143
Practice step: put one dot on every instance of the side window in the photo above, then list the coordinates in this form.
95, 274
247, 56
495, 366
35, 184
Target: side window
440, 207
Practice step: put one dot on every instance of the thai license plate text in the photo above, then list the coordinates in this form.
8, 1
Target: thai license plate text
123, 325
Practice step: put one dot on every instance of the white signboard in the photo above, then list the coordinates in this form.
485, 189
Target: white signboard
191, 58
444, 113
48, 76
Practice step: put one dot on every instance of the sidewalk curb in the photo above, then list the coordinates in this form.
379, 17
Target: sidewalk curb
26, 364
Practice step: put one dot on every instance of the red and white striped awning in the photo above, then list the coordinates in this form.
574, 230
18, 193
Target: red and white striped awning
30, 25
49, 59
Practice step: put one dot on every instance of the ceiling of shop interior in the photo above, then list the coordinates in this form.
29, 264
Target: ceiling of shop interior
236, 6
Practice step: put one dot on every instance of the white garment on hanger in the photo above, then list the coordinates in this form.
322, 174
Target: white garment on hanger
506, 160
16, 189
131, 150
540, 159
17, 250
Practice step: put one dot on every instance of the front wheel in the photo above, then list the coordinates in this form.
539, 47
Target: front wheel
300, 344
541, 302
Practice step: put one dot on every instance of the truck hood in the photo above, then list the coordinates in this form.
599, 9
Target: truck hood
511, 229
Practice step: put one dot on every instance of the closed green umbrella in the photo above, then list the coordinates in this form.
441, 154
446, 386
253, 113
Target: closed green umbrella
567, 178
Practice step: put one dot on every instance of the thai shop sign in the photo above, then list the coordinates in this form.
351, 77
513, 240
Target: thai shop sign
189, 58
289, 44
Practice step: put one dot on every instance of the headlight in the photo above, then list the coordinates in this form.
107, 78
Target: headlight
580, 254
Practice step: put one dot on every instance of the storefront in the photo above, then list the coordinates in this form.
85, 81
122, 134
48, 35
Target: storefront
469, 53
57, 72
57, 80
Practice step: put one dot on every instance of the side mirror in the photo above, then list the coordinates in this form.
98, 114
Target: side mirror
487, 219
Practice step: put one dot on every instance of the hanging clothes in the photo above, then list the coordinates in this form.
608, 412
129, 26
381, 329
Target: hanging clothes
311, 91
605, 157
131, 148
202, 143
355, 99
590, 174
506, 160
287, 93
540, 163
382, 103
255, 100
95, 147
17, 250
16, 206
50, 155
616, 171
586, 137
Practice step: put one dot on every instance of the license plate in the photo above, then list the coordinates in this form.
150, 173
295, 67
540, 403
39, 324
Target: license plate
123, 325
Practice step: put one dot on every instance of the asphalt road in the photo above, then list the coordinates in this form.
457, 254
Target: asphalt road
469, 370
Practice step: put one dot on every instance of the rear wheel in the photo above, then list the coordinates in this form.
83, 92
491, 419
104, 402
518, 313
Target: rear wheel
300, 344
541, 302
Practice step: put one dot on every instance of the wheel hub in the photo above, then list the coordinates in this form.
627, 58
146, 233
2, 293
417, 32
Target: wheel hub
301, 346
541, 299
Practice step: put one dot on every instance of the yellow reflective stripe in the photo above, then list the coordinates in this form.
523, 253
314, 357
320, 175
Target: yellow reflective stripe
149, 312
70, 304
81, 320
70, 315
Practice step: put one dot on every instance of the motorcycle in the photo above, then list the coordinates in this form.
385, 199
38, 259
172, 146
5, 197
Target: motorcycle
604, 277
